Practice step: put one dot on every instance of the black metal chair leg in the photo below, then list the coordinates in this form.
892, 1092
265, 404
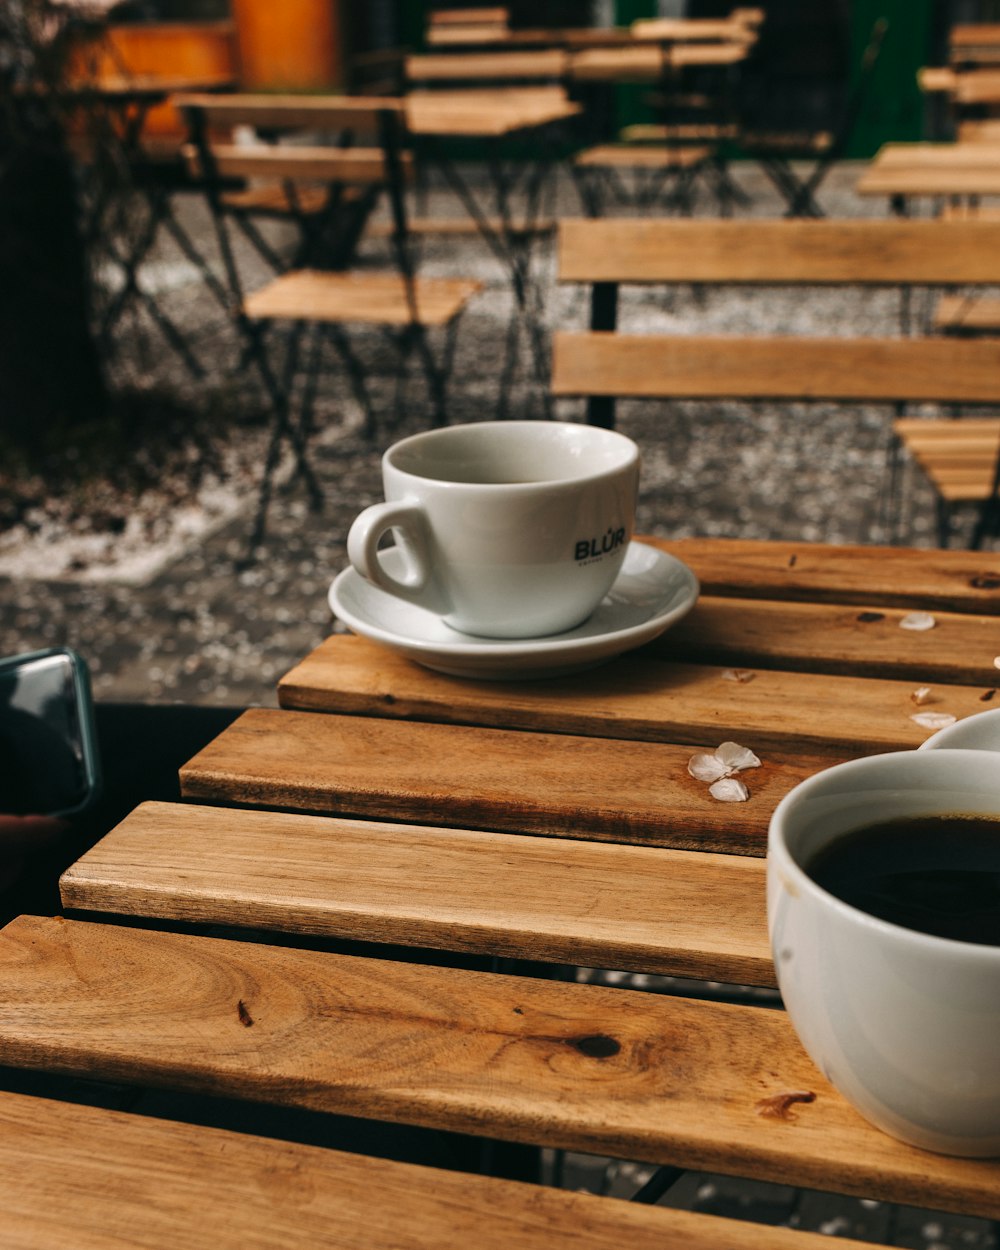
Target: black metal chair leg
657, 1185
355, 375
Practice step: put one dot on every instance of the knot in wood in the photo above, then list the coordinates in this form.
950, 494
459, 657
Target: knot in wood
596, 1046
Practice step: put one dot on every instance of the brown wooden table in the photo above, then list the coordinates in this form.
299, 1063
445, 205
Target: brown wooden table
208, 946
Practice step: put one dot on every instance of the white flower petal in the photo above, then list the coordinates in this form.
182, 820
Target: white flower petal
918, 621
921, 695
743, 675
996, 661
736, 757
729, 790
934, 720
707, 767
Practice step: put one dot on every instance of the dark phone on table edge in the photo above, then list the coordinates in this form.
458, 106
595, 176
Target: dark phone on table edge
49, 760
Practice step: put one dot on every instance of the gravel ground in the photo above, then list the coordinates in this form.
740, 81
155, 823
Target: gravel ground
163, 611
159, 606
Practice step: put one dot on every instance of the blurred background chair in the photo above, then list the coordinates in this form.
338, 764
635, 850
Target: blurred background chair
322, 160
957, 455
775, 150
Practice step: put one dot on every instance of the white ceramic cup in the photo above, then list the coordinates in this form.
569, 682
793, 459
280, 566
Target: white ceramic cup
979, 732
507, 529
905, 1025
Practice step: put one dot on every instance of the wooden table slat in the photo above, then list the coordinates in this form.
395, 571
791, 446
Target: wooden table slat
582, 1067
106, 1180
582, 903
957, 581
559, 785
852, 640
634, 697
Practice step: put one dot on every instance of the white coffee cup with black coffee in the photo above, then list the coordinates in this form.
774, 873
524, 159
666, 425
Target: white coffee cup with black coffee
883, 899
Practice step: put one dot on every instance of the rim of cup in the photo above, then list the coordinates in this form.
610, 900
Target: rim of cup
548, 432
938, 741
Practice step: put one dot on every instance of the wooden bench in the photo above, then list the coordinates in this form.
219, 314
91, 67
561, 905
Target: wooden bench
603, 366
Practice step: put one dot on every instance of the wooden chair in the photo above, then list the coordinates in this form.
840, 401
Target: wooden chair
529, 67
603, 365
325, 186
974, 44
775, 150
658, 164
450, 27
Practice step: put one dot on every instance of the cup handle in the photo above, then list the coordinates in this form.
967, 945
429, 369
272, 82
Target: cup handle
409, 523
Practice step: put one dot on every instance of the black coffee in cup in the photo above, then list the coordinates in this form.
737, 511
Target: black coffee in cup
936, 874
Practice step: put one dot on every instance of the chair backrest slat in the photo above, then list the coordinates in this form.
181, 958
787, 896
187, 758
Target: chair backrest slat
499, 15
319, 112
484, 67
800, 252
360, 166
654, 366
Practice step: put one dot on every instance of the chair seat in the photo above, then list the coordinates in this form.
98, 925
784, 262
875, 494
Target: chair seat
375, 299
962, 314
459, 226
680, 132
274, 197
959, 457
964, 211
790, 144
634, 156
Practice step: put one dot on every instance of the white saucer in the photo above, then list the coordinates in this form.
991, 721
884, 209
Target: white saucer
980, 732
651, 592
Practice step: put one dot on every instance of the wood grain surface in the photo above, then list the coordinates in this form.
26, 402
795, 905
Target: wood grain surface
633, 156
560, 785
105, 1180
846, 639
316, 112
606, 1071
799, 252
498, 67
933, 155
261, 160
799, 369
366, 298
918, 179
581, 903
486, 115
646, 696
905, 577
